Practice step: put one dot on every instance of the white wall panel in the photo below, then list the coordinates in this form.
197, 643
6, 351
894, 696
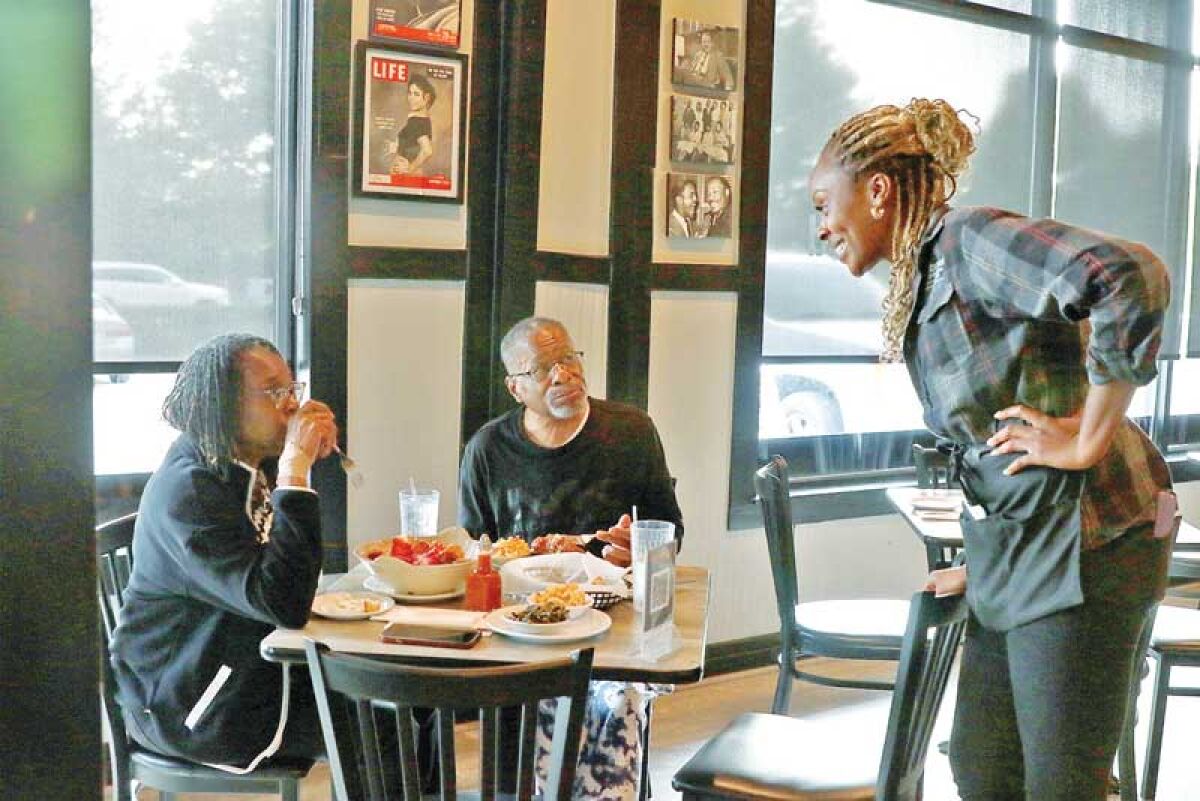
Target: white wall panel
407, 223
583, 309
404, 391
577, 106
690, 399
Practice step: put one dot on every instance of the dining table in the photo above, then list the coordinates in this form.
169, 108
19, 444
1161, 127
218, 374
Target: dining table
621, 652
935, 527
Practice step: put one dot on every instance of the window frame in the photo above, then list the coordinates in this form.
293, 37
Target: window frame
858, 494
292, 122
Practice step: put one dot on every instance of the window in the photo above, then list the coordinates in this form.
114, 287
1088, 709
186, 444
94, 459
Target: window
193, 107
825, 402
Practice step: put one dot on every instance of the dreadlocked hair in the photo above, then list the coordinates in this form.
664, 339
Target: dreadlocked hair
923, 147
206, 398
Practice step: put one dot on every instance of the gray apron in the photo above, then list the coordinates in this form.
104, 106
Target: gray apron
1023, 540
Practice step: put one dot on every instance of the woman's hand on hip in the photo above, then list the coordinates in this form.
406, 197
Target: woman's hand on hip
1068, 443
1044, 440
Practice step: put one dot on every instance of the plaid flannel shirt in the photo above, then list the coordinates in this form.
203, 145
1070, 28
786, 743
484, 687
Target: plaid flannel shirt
1013, 310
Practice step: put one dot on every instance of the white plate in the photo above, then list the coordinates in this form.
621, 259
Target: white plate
590, 624
348, 605
539, 572
377, 584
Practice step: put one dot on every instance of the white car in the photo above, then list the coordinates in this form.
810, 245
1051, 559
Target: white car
815, 308
112, 337
132, 285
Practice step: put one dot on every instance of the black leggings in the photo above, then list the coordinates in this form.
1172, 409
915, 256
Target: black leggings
1040, 708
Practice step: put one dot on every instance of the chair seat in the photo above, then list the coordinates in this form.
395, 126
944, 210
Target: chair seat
865, 618
268, 769
1177, 628
776, 757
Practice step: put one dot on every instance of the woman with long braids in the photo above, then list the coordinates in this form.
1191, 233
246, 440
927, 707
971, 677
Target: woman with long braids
1025, 340
227, 546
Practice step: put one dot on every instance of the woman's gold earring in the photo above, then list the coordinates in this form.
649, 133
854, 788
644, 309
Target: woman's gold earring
877, 212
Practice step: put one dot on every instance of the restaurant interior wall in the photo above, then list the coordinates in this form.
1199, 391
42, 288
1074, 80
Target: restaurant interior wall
691, 339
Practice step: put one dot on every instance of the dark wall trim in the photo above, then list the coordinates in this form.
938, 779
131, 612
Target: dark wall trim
323, 276
373, 262
569, 268
484, 186
520, 153
696, 277
756, 168
635, 114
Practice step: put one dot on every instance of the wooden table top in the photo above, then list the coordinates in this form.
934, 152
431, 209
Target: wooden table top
948, 532
618, 651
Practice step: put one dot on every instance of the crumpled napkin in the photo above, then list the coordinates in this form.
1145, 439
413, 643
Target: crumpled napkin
604, 576
460, 619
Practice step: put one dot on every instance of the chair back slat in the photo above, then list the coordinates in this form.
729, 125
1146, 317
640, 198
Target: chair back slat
374, 687
935, 627
933, 467
489, 750
447, 780
526, 755
114, 563
771, 485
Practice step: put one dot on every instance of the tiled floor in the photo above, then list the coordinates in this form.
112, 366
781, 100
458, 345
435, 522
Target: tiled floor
685, 719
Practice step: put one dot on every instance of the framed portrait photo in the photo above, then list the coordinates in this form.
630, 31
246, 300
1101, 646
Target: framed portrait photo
703, 129
410, 122
427, 22
699, 206
704, 55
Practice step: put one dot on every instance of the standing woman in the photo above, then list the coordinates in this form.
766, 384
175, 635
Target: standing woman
414, 143
1025, 340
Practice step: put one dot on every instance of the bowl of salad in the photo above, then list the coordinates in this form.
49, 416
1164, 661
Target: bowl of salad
434, 565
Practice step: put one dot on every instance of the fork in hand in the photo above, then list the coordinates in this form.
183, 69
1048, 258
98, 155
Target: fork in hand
350, 467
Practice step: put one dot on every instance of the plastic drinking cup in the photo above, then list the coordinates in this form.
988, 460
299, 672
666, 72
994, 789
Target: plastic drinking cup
418, 512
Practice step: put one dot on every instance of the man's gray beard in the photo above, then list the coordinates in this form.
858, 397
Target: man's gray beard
567, 412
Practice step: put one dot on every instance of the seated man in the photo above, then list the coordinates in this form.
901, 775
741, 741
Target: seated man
564, 463
227, 546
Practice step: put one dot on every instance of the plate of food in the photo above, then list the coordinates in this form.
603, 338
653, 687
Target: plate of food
421, 566
508, 548
569, 596
376, 584
351, 605
525, 622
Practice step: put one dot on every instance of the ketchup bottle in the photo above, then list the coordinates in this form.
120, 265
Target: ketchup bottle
483, 583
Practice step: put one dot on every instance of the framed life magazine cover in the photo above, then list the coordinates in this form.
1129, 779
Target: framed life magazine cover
410, 123
425, 22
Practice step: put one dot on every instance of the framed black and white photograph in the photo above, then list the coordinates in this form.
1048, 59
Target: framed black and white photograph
699, 206
703, 129
427, 22
704, 55
410, 120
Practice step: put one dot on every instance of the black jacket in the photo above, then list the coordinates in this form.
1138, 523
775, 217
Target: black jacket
203, 593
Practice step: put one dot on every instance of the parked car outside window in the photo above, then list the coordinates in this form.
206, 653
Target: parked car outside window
130, 285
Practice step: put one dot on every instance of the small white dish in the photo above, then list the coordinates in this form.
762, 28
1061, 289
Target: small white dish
376, 584
591, 624
351, 605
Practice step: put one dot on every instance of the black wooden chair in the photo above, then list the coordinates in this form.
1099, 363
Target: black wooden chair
1172, 640
843, 629
129, 761
782, 758
357, 697
933, 472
